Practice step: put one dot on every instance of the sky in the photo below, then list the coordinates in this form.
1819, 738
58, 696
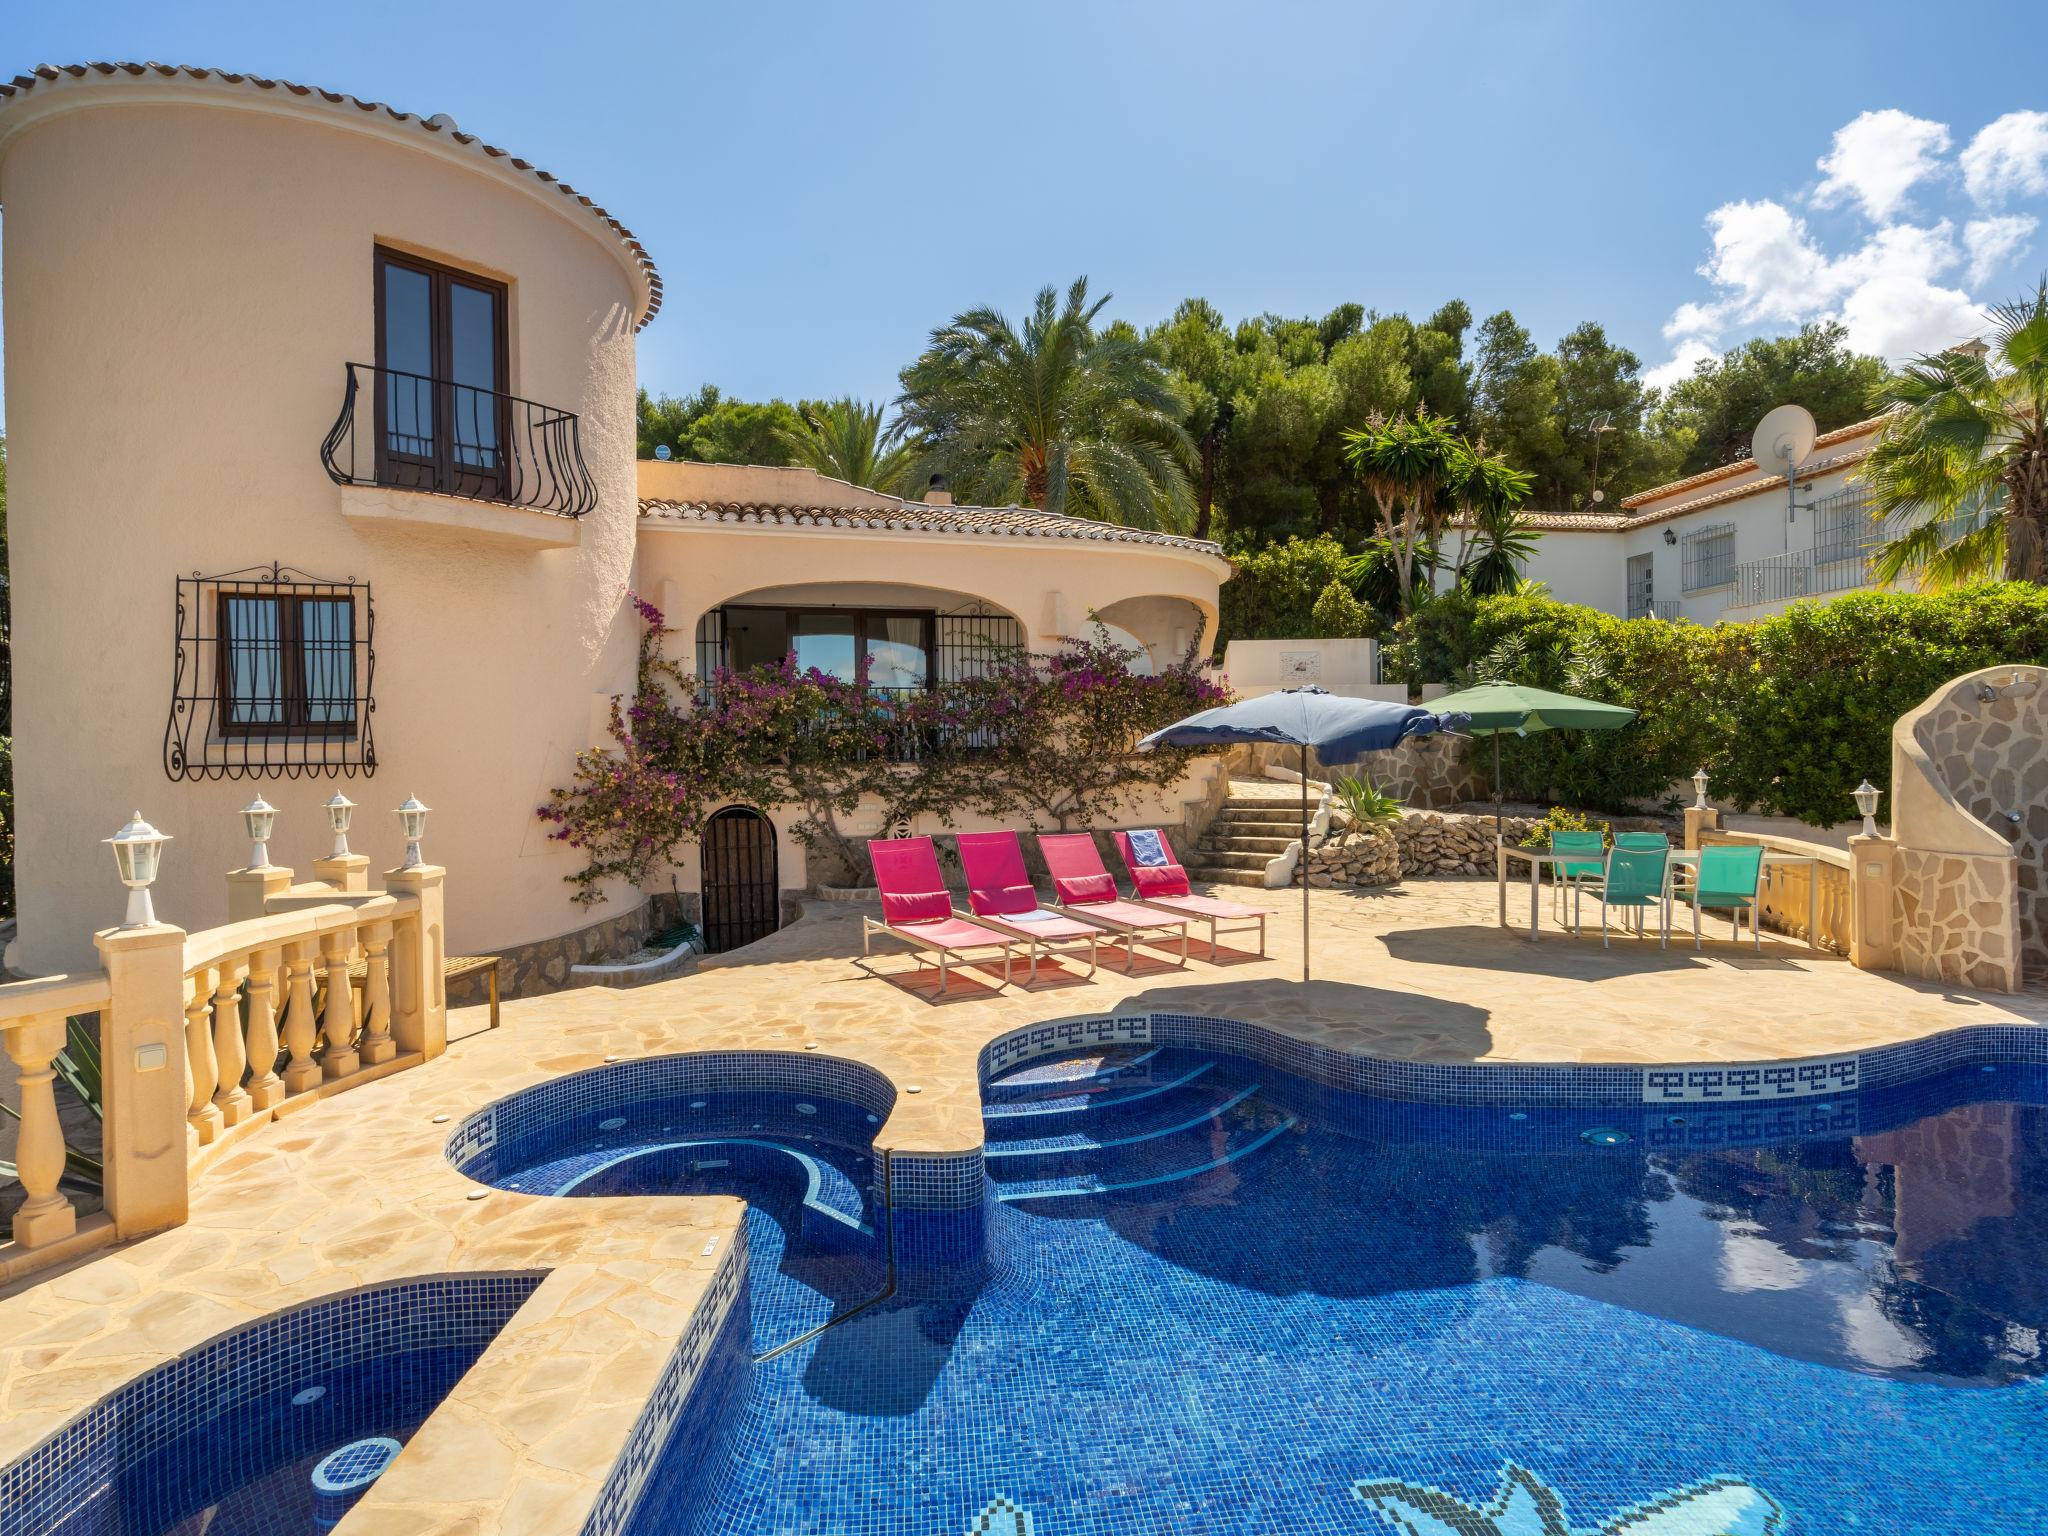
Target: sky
822, 184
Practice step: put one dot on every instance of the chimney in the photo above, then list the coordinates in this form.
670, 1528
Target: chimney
939, 492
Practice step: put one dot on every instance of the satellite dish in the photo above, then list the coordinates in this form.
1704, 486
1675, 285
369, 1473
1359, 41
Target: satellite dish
662, 451
1783, 439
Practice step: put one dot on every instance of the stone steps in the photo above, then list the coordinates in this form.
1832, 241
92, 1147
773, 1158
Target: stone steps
1220, 858
1222, 876
1241, 843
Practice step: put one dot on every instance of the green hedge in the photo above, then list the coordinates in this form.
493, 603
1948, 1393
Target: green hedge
1787, 713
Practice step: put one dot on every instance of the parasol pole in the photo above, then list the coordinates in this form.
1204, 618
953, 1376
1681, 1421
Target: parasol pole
1496, 789
1304, 860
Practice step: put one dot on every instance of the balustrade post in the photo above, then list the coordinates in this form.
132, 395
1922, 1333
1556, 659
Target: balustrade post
144, 1067
46, 1216
301, 1029
338, 1019
230, 1053
265, 1087
378, 1046
202, 1067
419, 1003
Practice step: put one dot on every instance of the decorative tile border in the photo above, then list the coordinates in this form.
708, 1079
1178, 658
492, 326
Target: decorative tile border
725, 1300
203, 1387
1063, 1035
1814, 1077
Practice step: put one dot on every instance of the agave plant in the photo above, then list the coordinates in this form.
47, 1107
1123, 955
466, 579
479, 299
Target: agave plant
1524, 1505
1365, 802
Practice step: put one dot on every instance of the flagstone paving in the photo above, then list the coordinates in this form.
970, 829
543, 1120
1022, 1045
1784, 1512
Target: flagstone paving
354, 1190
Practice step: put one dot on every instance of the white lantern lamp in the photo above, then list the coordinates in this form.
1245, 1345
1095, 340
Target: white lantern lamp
259, 816
1699, 789
412, 823
1866, 795
138, 853
340, 810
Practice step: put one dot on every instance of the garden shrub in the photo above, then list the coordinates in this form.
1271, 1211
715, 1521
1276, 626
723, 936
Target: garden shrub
1277, 590
1787, 713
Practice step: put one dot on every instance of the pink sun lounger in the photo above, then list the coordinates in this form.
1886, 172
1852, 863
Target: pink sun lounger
918, 909
1083, 888
1000, 892
1165, 886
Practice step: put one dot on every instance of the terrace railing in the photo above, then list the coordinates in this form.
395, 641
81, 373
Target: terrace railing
205, 1038
415, 433
1787, 888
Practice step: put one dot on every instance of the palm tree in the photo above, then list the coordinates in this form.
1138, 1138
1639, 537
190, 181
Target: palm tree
1057, 415
846, 439
1962, 465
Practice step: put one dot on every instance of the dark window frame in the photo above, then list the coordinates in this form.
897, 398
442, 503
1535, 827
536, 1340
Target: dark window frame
293, 700
927, 617
441, 467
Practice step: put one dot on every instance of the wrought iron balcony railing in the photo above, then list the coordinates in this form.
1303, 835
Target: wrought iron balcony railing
415, 433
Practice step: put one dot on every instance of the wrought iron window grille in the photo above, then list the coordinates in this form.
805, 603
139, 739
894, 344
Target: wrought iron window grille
1709, 558
271, 677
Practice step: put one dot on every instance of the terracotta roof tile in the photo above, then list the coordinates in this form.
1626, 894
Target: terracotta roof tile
920, 517
1743, 466
435, 125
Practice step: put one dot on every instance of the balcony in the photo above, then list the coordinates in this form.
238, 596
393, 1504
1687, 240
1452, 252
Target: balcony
406, 433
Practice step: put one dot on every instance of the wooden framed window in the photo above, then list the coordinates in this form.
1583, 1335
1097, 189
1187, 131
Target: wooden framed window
287, 663
271, 677
443, 379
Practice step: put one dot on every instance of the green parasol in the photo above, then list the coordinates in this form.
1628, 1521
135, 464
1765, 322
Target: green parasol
1498, 709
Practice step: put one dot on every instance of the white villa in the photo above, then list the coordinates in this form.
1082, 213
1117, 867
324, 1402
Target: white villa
321, 461
1736, 542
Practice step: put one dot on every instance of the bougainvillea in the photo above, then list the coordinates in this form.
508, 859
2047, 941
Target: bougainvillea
1042, 739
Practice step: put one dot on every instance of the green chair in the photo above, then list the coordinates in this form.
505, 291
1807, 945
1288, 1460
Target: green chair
1642, 841
1571, 873
1634, 880
1729, 876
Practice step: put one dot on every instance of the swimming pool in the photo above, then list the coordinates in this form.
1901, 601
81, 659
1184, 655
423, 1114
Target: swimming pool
280, 1426
1221, 1299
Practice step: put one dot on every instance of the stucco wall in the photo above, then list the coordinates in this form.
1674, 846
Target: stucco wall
184, 283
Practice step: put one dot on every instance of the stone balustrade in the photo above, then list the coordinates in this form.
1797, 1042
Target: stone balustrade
33, 1017
206, 1037
1788, 888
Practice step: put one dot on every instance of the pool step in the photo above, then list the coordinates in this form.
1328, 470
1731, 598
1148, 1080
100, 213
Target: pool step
1124, 1131
1070, 1102
1070, 1074
1166, 1160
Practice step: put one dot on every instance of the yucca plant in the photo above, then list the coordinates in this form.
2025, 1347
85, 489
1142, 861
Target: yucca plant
1366, 803
78, 1064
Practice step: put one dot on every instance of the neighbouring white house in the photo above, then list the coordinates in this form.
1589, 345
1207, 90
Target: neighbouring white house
322, 478
1738, 542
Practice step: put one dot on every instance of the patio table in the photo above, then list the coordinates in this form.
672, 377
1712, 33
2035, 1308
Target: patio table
1681, 858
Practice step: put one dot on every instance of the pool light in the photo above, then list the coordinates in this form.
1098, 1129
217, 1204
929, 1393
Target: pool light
1606, 1136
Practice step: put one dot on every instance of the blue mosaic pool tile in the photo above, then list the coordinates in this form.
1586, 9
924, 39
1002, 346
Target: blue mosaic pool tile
716, 1329
217, 1402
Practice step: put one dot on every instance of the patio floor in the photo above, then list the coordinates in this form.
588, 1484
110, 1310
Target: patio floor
354, 1190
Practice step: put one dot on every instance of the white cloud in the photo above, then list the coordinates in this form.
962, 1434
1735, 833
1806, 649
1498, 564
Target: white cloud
1877, 159
1689, 354
1892, 304
1767, 264
1992, 242
2009, 157
1898, 288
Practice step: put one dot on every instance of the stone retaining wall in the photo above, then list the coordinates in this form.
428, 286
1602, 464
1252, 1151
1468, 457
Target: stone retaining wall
1420, 843
1431, 771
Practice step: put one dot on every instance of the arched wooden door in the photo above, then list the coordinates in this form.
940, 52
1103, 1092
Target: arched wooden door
742, 897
